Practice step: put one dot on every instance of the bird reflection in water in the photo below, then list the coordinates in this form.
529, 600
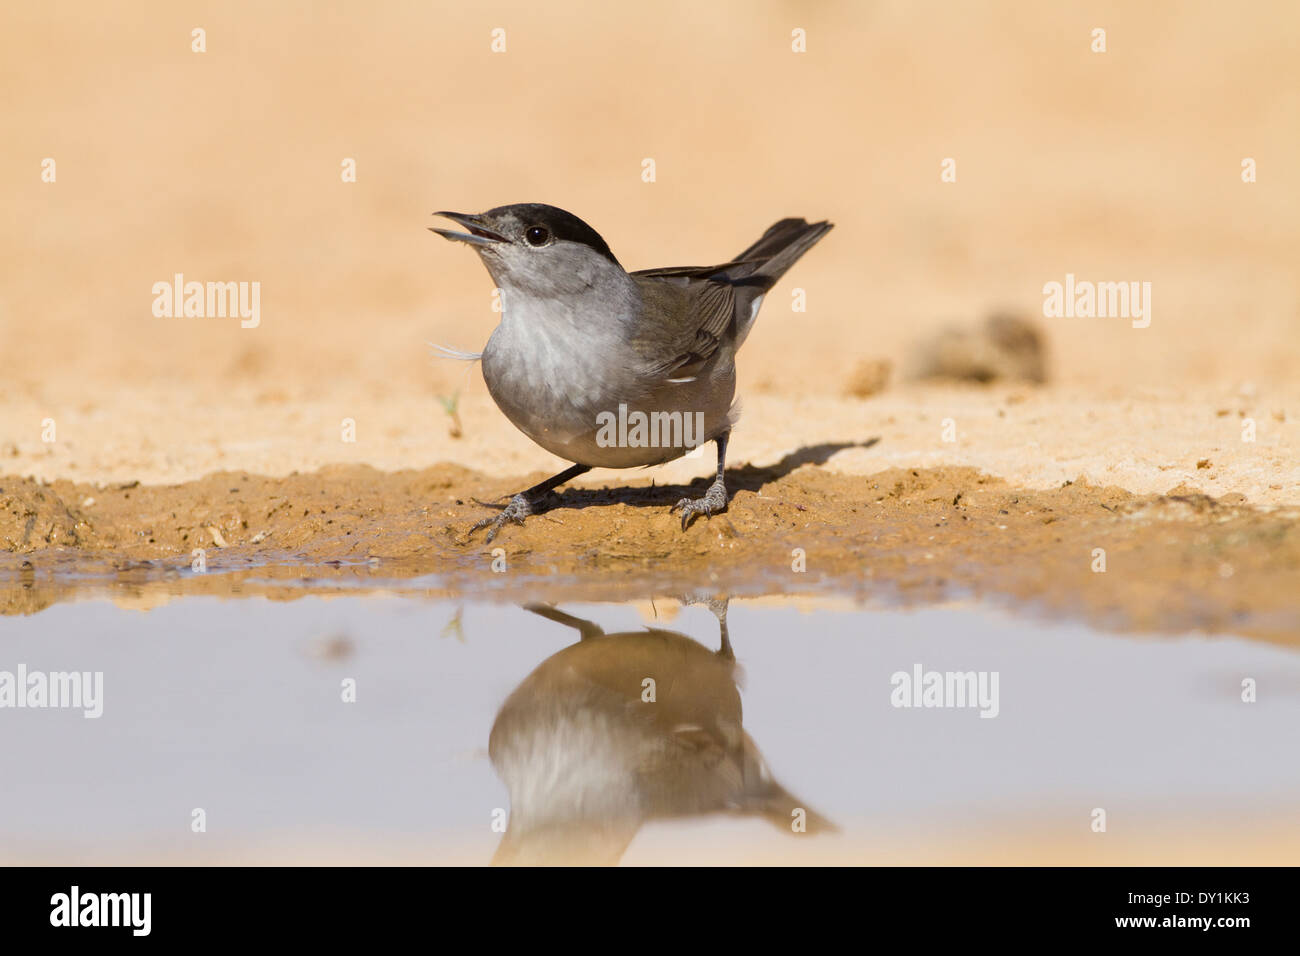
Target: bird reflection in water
621, 729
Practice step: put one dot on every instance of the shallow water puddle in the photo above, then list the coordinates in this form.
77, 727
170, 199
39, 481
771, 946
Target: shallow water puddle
867, 735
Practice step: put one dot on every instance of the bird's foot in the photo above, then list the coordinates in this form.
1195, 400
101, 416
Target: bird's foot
714, 502
516, 511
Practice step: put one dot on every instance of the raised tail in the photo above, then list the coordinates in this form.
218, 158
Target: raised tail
752, 273
780, 248
759, 267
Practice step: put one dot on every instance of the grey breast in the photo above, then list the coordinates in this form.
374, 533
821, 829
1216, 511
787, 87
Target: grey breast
663, 358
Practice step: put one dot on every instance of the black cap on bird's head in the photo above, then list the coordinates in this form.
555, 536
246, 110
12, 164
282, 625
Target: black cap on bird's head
534, 251
532, 225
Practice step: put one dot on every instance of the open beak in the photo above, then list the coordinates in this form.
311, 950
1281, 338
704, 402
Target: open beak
478, 234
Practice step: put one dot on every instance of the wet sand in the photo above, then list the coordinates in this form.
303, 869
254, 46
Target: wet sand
1174, 562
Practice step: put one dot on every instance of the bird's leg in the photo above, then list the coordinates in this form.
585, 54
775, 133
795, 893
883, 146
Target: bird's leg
526, 502
715, 499
718, 605
725, 651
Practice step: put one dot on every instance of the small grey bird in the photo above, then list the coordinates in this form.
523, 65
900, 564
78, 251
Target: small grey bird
589, 756
583, 344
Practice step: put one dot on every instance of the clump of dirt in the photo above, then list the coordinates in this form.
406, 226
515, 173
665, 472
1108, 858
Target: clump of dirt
1007, 348
33, 516
869, 377
1173, 562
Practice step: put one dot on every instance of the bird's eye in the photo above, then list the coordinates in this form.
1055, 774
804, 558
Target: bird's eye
537, 235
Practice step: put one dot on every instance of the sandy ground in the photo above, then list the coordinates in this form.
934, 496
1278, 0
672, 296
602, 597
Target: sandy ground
1178, 562
225, 165
1146, 441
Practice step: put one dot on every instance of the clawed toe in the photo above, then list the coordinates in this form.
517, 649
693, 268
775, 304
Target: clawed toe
516, 511
714, 502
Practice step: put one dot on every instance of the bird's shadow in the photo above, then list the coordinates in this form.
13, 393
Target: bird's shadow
745, 478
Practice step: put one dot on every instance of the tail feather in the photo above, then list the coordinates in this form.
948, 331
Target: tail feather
781, 247
760, 266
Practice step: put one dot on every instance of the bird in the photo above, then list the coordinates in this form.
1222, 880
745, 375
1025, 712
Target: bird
590, 750
614, 369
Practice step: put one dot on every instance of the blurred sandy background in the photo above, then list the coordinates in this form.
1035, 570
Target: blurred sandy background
225, 166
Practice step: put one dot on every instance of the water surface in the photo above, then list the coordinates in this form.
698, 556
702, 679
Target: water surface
236, 707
